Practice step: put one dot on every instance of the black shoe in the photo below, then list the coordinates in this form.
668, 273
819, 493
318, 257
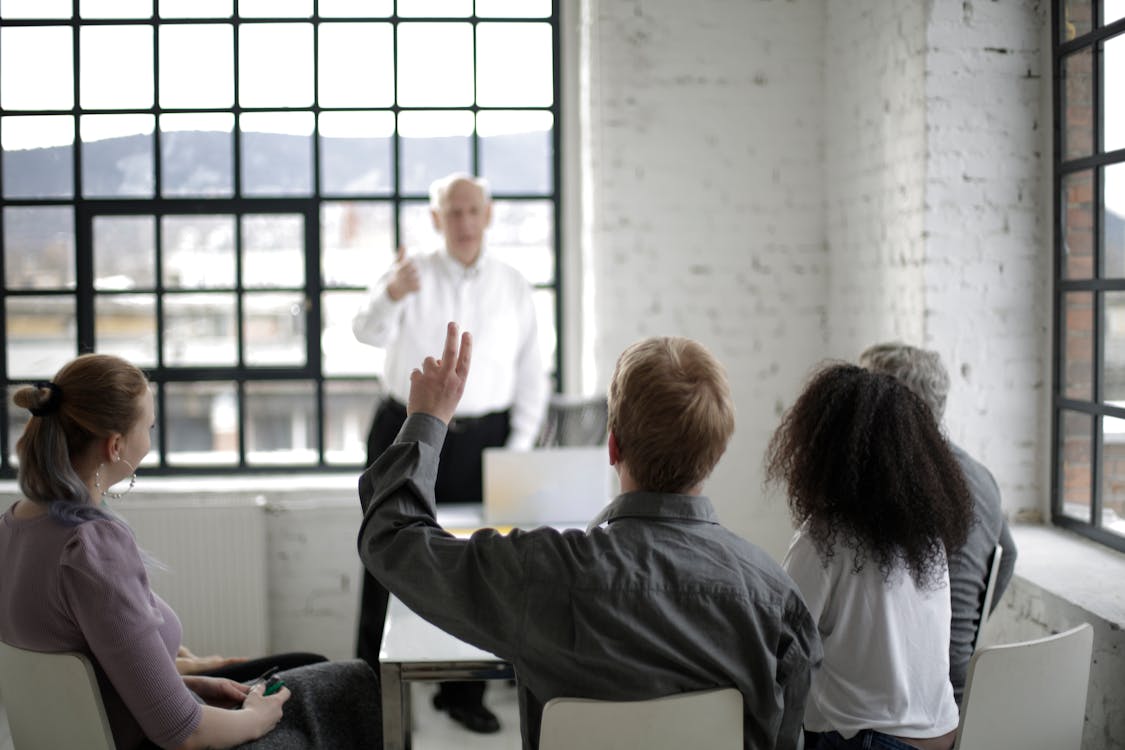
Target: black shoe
474, 718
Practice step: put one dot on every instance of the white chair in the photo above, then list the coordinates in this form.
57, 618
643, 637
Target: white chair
52, 701
1030, 695
989, 594
674, 721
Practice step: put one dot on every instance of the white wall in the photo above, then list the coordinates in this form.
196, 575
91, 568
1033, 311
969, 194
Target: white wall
705, 194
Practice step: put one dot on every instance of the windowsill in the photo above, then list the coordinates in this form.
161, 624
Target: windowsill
1073, 568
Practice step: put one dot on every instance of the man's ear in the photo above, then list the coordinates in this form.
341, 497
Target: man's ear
436, 218
488, 214
614, 451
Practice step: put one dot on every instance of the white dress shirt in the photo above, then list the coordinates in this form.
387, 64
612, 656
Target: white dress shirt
886, 646
489, 299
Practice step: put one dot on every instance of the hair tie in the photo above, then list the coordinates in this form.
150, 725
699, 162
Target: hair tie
51, 405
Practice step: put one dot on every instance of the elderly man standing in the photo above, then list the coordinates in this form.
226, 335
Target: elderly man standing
406, 311
922, 372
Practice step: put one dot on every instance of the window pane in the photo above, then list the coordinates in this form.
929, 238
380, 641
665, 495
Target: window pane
1113, 474
1113, 93
1112, 10
125, 325
281, 423
355, 8
427, 78
197, 155
274, 328
1113, 220
198, 252
47, 51
1077, 321
17, 420
190, 79
273, 252
1078, 104
39, 247
348, 408
1113, 331
1076, 476
513, 8
38, 156
356, 65
514, 67
277, 153
417, 227
36, 8
515, 151
275, 8
115, 8
355, 152
116, 67
41, 335
275, 65
117, 157
357, 242
124, 252
199, 330
342, 353
433, 144
1078, 18
522, 235
1078, 225
434, 8
202, 423
545, 315
196, 8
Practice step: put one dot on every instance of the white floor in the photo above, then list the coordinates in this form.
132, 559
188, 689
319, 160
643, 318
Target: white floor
433, 730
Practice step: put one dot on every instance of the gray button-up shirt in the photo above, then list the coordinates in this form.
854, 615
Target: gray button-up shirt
661, 600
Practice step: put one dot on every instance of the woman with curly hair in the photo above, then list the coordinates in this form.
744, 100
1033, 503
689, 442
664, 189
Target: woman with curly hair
879, 502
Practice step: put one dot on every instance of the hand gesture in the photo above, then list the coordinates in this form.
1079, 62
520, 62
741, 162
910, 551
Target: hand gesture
404, 276
436, 389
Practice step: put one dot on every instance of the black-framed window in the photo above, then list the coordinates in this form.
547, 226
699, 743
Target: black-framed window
206, 187
1088, 480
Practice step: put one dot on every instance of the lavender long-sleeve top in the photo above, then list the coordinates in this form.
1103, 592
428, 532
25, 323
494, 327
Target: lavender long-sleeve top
84, 588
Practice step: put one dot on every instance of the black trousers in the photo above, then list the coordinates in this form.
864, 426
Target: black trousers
458, 481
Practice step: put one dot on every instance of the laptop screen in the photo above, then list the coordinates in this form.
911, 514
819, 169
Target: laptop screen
547, 486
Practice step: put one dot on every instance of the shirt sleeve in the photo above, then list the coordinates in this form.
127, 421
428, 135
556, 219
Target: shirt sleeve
1007, 564
804, 566
529, 402
473, 588
106, 588
377, 321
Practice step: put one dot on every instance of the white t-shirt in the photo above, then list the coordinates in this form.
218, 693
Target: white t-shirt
886, 646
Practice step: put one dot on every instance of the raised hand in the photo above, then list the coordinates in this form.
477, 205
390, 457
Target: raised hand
436, 388
404, 276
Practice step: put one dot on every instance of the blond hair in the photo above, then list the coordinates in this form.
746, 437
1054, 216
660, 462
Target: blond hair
90, 398
670, 412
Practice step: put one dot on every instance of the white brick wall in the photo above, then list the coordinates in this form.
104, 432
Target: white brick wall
706, 194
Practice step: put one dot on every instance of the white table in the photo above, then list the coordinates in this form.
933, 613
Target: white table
414, 650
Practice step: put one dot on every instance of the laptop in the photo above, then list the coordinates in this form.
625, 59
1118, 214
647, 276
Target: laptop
558, 486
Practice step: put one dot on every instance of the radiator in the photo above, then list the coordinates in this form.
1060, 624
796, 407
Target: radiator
215, 577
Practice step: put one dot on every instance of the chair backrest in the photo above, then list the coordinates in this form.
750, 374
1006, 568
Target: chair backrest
989, 593
707, 718
52, 701
1030, 695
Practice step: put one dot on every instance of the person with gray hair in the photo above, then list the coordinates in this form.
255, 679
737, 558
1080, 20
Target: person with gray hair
922, 371
407, 309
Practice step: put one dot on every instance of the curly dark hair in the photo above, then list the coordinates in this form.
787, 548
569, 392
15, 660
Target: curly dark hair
865, 465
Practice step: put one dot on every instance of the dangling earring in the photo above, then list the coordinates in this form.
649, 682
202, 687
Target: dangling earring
114, 495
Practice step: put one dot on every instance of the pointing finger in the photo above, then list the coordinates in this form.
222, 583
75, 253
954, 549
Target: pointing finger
449, 357
466, 354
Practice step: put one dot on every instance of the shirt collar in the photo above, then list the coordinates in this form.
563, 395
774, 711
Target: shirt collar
454, 268
658, 505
